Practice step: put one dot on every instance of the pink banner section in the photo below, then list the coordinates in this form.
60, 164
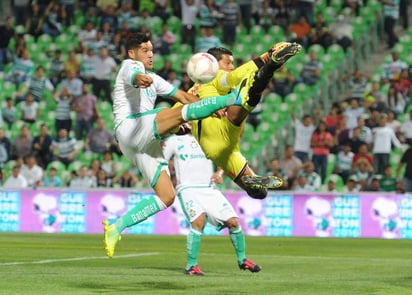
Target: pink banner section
386, 216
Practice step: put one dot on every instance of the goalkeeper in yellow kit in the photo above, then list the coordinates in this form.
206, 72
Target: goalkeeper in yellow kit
220, 137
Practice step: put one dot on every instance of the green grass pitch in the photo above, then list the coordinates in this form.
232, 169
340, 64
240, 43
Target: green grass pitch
75, 264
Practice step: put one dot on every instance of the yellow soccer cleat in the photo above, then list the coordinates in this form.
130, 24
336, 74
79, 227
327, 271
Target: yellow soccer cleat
282, 51
262, 181
111, 237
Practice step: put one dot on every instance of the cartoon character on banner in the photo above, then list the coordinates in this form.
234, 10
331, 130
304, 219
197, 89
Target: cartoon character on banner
45, 206
386, 212
251, 212
319, 211
180, 217
112, 206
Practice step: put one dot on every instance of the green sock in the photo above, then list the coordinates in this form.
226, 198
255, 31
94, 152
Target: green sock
238, 240
192, 247
143, 210
204, 108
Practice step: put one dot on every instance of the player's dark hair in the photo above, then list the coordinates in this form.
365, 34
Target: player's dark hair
217, 52
135, 40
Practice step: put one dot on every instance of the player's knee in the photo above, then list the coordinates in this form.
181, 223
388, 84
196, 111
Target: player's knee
232, 223
199, 223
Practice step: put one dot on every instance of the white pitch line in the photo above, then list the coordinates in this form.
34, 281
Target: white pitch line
76, 259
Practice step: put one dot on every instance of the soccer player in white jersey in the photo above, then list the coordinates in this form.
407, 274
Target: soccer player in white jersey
201, 200
139, 127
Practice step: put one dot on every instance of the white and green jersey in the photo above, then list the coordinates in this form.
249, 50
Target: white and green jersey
128, 99
191, 165
391, 11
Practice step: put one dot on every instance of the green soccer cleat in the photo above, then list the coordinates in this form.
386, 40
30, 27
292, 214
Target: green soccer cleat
111, 237
262, 181
282, 51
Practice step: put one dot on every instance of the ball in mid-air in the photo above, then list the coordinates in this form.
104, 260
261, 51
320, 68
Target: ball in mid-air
202, 67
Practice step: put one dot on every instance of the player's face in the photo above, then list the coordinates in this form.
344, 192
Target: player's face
144, 54
226, 63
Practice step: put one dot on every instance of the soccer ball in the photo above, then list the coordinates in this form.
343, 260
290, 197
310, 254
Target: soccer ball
202, 67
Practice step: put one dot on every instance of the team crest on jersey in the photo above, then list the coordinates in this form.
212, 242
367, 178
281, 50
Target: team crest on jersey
192, 213
194, 144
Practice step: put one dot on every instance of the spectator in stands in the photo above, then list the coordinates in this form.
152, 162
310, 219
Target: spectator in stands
36, 86
99, 139
209, 14
64, 148
333, 118
265, 16
406, 160
391, 70
56, 68
5, 146
230, 21
29, 109
321, 143
343, 164
109, 164
353, 112
15, 180
34, 22
365, 134
9, 112
362, 153
167, 39
331, 186
383, 138
392, 122
275, 170
101, 81
303, 135
72, 64
22, 144
299, 31
21, 69
388, 181
320, 32
52, 179
85, 107
352, 185
126, 13
88, 66
342, 32
374, 98
72, 83
300, 184
406, 129
374, 185
109, 17
102, 180
86, 35
282, 14
127, 179
64, 102
372, 119
98, 43
32, 172
341, 135
310, 73
391, 16
190, 9
357, 84
54, 17
82, 181
186, 83
399, 188
305, 8
283, 81
404, 85
68, 6
41, 146
108, 32
95, 166
207, 40
395, 101
117, 49
7, 33
355, 140
290, 164
363, 172
313, 179
246, 14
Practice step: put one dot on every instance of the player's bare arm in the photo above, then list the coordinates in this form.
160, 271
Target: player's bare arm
142, 80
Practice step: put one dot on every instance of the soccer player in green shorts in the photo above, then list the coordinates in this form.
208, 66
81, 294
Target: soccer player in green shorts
220, 137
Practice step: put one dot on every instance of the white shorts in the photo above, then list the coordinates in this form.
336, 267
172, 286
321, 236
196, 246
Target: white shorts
198, 200
140, 144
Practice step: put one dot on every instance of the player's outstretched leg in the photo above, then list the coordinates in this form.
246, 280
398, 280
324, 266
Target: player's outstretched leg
282, 51
111, 237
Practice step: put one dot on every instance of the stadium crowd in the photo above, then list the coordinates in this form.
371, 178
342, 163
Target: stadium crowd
57, 60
